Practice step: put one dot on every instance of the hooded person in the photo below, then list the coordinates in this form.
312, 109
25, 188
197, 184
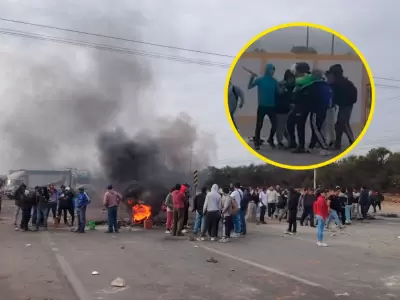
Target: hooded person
293, 204
312, 97
212, 207
226, 212
267, 90
235, 99
185, 191
283, 102
344, 96
178, 200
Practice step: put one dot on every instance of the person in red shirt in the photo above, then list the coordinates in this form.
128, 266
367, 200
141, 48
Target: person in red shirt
321, 212
178, 199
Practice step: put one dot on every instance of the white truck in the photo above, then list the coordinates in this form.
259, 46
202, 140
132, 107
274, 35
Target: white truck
33, 178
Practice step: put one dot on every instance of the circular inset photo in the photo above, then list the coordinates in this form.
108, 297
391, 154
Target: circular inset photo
299, 96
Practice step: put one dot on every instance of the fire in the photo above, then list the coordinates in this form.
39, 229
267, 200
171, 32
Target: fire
141, 212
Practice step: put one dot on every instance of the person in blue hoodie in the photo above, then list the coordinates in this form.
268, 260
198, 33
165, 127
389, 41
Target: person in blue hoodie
82, 202
267, 89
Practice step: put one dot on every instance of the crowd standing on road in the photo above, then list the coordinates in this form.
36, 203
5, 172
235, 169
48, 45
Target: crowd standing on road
326, 99
228, 209
36, 206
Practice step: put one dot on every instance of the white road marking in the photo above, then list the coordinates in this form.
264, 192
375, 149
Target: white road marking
263, 267
69, 273
72, 278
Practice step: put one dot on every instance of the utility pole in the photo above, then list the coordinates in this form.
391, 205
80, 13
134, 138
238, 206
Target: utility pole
333, 45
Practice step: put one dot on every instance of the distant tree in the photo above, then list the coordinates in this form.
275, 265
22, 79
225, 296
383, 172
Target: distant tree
378, 169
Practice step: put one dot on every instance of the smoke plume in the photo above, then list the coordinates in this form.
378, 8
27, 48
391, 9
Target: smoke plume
64, 106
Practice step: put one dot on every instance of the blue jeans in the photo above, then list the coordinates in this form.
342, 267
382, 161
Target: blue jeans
320, 228
81, 218
236, 223
41, 212
112, 218
333, 215
199, 223
347, 211
243, 227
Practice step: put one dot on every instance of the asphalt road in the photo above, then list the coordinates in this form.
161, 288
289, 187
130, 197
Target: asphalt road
360, 263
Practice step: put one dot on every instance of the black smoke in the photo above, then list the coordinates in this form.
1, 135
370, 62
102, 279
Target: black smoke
146, 165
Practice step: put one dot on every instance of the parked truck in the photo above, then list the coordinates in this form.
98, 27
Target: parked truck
33, 178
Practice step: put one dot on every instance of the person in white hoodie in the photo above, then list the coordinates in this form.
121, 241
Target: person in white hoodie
212, 209
272, 199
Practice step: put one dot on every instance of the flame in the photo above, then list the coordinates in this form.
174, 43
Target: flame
141, 212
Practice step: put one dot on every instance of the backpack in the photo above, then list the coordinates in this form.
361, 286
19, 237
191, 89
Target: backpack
234, 207
353, 92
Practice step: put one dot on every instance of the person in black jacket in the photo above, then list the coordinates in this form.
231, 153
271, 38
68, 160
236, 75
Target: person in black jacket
27, 200
344, 96
19, 192
343, 202
293, 203
284, 99
364, 201
244, 204
198, 203
308, 204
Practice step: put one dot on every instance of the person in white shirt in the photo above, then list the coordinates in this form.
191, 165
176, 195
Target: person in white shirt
237, 194
272, 200
263, 205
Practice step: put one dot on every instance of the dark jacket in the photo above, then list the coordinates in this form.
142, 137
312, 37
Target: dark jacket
27, 201
284, 99
364, 197
344, 92
19, 193
293, 200
309, 200
314, 97
244, 203
343, 199
198, 202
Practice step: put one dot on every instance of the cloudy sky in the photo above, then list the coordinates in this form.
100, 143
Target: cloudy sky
206, 25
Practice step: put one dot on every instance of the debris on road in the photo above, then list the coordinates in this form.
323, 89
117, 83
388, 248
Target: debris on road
95, 273
346, 294
191, 238
28, 245
196, 246
232, 270
211, 260
118, 282
122, 247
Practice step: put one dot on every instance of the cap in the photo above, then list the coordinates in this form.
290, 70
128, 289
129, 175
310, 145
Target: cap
336, 69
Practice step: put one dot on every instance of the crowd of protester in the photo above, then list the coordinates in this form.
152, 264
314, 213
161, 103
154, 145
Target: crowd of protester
326, 99
37, 205
224, 211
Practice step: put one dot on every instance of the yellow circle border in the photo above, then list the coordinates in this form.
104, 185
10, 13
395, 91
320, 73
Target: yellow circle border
337, 157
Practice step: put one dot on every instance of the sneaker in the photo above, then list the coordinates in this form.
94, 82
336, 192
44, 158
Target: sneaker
320, 244
271, 143
167, 231
299, 150
224, 240
212, 239
235, 235
201, 239
324, 153
287, 232
184, 231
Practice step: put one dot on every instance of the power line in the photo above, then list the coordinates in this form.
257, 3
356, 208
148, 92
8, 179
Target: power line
116, 38
111, 48
138, 41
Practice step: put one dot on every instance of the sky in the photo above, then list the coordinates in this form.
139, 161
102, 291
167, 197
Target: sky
206, 25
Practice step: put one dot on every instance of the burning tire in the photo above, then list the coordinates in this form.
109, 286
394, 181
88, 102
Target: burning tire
144, 201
